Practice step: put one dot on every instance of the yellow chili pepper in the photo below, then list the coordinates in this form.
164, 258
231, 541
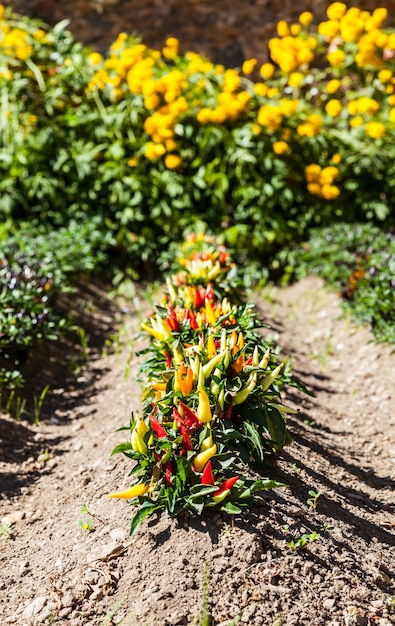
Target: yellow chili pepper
265, 359
201, 459
138, 443
221, 496
203, 411
211, 349
210, 313
267, 381
141, 427
132, 492
208, 367
206, 443
242, 395
152, 331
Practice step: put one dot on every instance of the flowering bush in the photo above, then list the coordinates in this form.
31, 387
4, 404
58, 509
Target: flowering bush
154, 141
211, 407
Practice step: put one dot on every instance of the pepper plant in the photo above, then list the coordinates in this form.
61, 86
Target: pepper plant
212, 413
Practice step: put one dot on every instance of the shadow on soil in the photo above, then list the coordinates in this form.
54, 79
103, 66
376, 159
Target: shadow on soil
62, 366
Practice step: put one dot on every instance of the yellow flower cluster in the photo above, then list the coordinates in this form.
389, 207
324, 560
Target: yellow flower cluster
311, 127
319, 181
229, 107
292, 49
362, 28
15, 43
270, 116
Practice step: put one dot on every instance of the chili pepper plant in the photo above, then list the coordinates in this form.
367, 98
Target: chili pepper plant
212, 413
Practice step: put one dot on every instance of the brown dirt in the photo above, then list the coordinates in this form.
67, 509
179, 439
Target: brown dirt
240, 569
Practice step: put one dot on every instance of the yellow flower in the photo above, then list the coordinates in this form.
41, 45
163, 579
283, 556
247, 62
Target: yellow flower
2, 11
267, 71
385, 76
170, 145
170, 49
95, 58
231, 81
352, 107
336, 57
330, 192
356, 121
203, 116
280, 147
260, 89
375, 130
283, 29
269, 116
336, 158
272, 92
154, 151
333, 86
132, 162
314, 188
329, 29
248, 66
379, 16
152, 101
312, 172
311, 127
333, 108
172, 161
327, 175
367, 105
336, 10
305, 18
295, 79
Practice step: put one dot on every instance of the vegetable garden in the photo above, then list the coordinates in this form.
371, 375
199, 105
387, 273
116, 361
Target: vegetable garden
144, 165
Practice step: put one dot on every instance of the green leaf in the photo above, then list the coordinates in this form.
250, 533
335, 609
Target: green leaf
231, 508
122, 447
146, 509
276, 426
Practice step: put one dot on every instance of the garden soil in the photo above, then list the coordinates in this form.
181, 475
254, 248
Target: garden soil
285, 561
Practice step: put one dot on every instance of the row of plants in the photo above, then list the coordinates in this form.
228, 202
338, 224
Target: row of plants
212, 413
35, 272
357, 261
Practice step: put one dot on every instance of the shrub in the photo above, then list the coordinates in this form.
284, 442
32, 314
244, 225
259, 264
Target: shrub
34, 271
154, 141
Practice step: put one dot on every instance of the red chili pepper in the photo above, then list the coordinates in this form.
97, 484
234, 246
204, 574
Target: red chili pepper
168, 472
168, 360
187, 443
227, 484
172, 319
157, 428
210, 295
190, 417
207, 476
228, 412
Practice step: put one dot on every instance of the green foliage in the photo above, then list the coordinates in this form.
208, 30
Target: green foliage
359, 262
35, 269
154, 142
